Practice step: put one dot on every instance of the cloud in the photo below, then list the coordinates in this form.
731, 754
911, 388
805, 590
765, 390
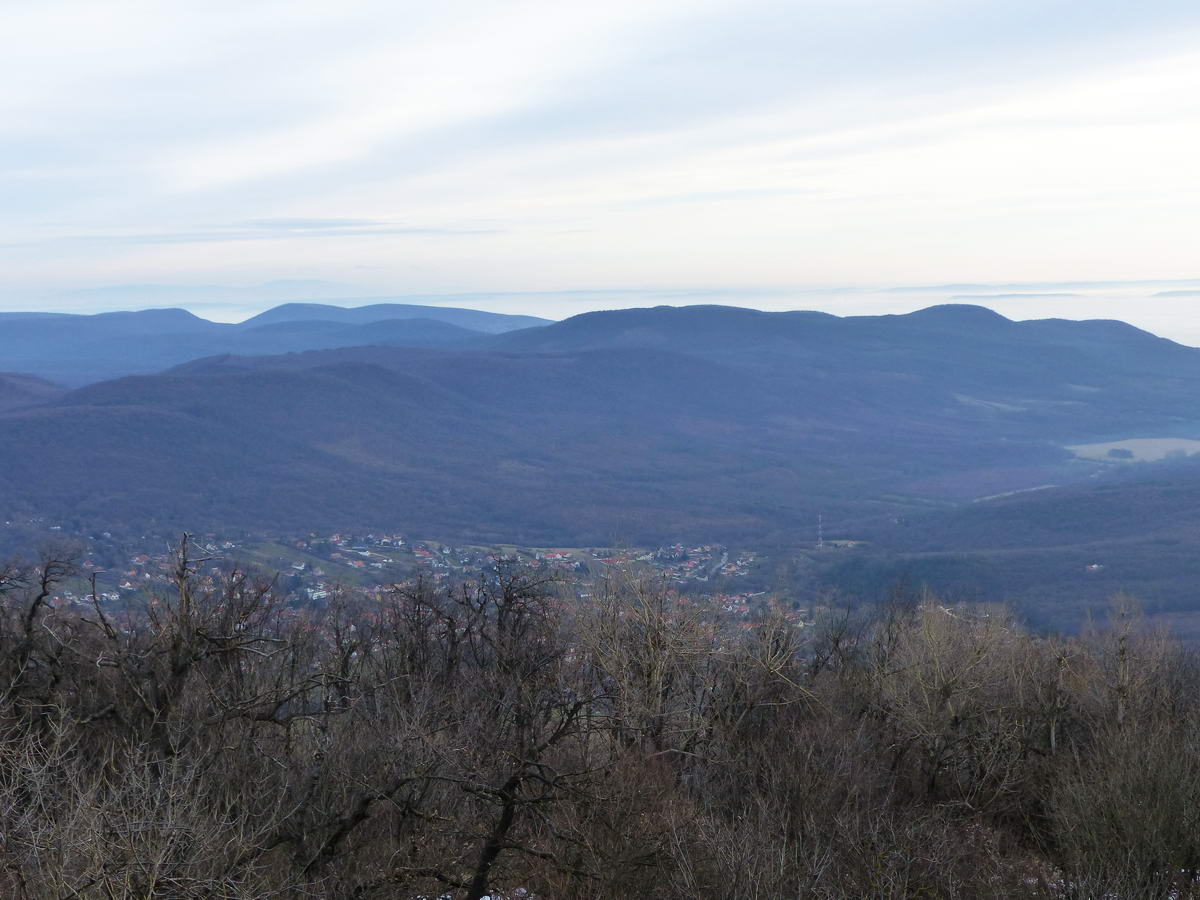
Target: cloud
1048, 296
684, 144
311, 224
260, 230
1020, 289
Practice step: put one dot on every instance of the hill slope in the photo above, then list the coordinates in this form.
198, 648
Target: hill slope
25, 390
1100, 376
1056, 554
473, 319
638, 425
500, 446
80, 349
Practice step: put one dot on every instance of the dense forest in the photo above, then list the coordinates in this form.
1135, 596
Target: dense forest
1054, 555
492, 738
644, 426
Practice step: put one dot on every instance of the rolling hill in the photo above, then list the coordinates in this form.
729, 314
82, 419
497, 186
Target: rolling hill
632, 425
1043, 378
82, 349
1056, 554
25, 390
471, 319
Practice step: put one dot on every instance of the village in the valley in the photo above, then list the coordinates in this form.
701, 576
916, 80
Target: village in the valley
308, 570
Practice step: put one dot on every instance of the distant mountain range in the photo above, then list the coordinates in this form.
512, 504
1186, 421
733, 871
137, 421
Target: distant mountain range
81, 349
951, 365
636, 426
471, 319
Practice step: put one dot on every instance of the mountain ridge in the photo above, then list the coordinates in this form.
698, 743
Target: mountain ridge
80, 349
474, 319
707, 421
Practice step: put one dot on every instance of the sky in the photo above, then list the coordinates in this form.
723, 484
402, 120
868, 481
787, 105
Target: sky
549, 157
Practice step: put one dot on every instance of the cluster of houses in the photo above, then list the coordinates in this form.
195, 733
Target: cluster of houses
312, 567
704, 562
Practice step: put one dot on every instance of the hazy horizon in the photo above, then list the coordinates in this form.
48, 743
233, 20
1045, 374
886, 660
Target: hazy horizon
1159, 306
777, 153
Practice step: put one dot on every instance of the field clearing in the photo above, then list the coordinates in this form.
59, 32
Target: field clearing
1138, 449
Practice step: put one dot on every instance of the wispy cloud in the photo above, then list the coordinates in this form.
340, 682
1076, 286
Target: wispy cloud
311, 224
980, 298
261, 230
1033, 287
536, 144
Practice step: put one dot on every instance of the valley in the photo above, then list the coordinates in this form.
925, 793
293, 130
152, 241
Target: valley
980, 465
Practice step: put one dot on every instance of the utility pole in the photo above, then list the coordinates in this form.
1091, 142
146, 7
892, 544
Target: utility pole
820, 532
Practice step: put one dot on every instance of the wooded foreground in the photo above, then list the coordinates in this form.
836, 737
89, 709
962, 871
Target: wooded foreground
496, 739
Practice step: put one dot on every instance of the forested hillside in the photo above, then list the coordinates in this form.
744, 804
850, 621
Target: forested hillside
1053, 554
80, 349
24, 390
637, 425
493, 740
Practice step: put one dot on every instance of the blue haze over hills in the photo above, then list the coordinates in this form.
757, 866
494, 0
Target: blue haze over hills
78, 349
637, 426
